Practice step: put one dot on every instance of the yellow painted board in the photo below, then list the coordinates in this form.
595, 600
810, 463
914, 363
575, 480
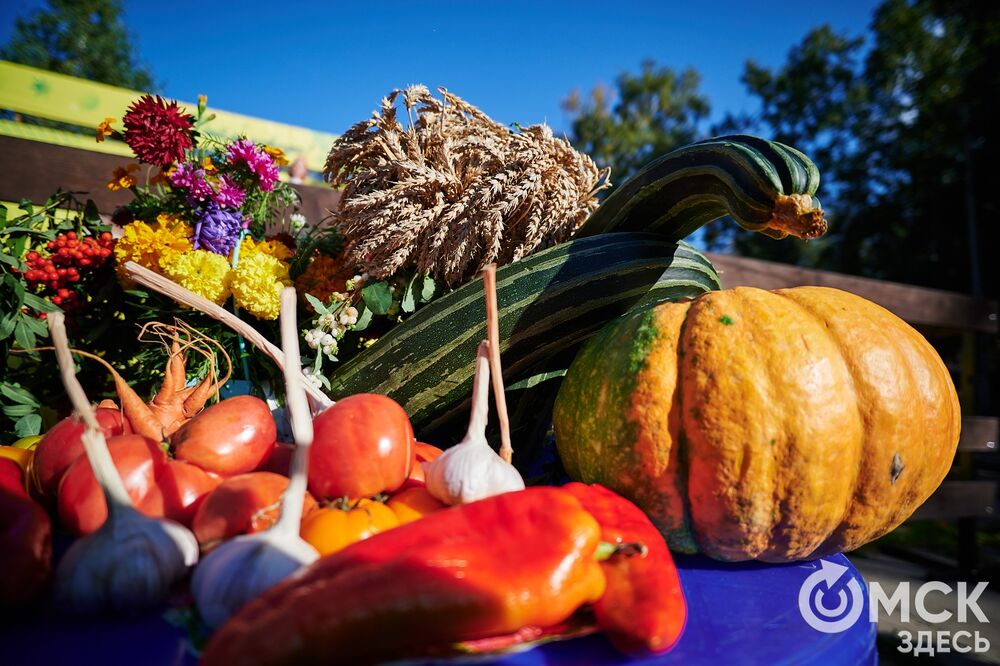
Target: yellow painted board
45, 94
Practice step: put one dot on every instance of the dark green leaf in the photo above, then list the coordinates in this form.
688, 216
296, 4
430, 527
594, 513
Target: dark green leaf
138, 293
7, 323
3, 216
377, 297
90, 212
36, 326
17, 411
38, 303
535, 380
317, 304
23, 335
427, 288
409, 303
18, 394
364, 319
28, 425
27, 207
10, 261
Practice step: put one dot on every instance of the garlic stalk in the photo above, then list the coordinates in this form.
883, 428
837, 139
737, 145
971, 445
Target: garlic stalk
132, 561
471, 470
241, 569
493, 335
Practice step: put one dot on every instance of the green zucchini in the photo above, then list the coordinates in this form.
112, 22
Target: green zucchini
766, 186
549, 303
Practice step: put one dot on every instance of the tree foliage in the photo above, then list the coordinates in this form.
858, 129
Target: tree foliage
82, 38
902, 127
648, 114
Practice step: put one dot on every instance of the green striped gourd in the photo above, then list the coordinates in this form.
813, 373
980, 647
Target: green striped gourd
553, 300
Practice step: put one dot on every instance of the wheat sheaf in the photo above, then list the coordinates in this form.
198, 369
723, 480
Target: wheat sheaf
454, 190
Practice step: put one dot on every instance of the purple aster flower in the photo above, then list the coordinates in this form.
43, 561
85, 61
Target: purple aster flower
193, 179
229, 194
217, 229
260, 163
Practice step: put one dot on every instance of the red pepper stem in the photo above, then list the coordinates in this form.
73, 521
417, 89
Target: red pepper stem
606, 550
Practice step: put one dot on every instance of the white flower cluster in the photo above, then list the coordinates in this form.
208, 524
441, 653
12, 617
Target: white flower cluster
331, 326
296, 223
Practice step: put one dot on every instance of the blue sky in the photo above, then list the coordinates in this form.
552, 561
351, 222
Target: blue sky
325, 65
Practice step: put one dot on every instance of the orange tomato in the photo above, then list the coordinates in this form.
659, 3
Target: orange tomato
20, 456
330, 529
414, 503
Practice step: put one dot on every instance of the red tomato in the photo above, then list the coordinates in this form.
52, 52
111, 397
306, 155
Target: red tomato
82, 508
242, 504
279, 460
61, 446
183, 487
421, 453
231, 437
362, 446
25, 541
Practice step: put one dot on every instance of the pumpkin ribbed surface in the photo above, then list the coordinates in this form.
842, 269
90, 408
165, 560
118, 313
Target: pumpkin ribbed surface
753, 424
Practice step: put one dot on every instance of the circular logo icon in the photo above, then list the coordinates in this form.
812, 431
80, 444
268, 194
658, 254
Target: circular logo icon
830, 600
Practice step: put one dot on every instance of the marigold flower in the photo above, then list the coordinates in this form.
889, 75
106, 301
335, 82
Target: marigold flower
122, 178
257, 284
205, 273
104, 129
323, 277
271, 247
277, 154
153, 245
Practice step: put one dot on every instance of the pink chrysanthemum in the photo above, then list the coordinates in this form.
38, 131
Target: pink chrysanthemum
259, 162
228, 193
193, 179
157, 131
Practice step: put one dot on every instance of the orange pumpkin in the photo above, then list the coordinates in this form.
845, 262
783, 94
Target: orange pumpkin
751, 424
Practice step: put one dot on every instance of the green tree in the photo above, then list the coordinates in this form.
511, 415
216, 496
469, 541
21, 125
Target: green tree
902, 127
647, 114
82, 38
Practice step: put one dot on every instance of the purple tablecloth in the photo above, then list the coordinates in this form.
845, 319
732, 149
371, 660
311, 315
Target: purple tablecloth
737, 614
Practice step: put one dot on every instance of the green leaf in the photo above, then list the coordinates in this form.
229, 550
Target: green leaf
36, 326
17, 411
18, 394
377, 297
90, 212
3, 216
409, 303
27, 207
364, 319
7, 323
317, 304
38, 303
28, 425
535, 380
427, 288
138, 293
9, 260
23, 335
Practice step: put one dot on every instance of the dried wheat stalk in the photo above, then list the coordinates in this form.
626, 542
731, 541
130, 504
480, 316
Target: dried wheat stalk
453, 190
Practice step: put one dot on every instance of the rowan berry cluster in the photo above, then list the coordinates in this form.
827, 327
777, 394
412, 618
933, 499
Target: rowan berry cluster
69, 261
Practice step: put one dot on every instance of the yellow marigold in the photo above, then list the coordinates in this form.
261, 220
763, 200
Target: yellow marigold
257, 284
205, 273
273, 248
104, 129
122, 178
277, 154
151, 246
323, 276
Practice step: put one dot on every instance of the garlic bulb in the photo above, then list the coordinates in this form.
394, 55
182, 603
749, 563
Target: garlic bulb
240, 569
471, 470
133, 560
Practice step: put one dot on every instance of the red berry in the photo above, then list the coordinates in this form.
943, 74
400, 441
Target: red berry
71, 235
57, 300
43, 315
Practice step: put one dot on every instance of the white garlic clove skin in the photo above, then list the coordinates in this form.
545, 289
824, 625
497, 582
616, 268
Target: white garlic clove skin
241, 569
130, 563
470, 471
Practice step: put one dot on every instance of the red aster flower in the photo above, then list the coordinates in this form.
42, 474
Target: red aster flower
157, 131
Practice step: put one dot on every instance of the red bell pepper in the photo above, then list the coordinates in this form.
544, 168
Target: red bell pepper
643, 608
485, 569
25, 541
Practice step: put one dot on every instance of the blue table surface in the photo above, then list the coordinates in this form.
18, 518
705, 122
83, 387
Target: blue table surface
745, 613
